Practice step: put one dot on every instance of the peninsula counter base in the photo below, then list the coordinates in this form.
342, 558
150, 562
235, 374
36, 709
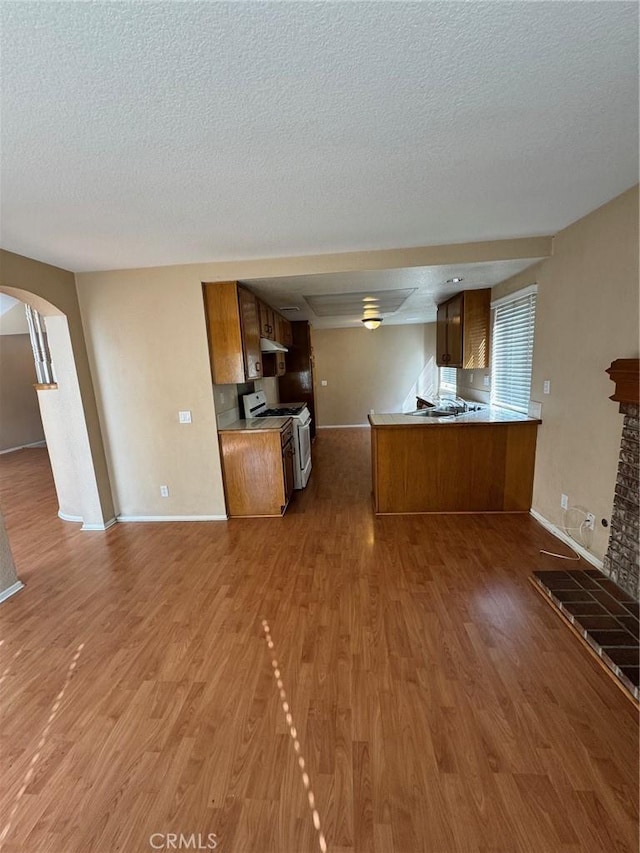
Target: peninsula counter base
442, 468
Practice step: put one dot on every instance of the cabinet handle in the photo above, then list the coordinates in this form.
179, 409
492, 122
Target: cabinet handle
258, 366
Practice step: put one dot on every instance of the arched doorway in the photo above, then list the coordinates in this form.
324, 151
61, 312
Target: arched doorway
81, 493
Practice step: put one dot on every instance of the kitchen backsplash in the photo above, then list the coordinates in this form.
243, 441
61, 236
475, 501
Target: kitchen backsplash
228, 398
470, 385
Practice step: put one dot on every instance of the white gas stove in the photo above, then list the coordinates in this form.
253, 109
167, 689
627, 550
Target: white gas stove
255, 406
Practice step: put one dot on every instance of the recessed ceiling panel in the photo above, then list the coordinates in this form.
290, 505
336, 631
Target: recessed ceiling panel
347, 304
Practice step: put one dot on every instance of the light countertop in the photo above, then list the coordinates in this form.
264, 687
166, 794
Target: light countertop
488, 415
256, 425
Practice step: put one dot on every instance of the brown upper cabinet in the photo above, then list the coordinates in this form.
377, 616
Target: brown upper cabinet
463, 329
284, 332
233, 327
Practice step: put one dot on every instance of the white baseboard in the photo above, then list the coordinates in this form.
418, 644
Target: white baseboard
11, 590
105, 526
77, 519
136, 518
563, 537
65, 517
24, 447
342, 426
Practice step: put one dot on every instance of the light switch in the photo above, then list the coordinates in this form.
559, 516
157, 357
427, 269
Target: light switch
184, 417
323, 382
546, 387
486, 381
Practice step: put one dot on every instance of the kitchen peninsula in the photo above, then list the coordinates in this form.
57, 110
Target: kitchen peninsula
479, 461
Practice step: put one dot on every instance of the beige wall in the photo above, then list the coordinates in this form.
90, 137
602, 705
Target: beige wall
67, 437
147, 341
586, 317
20, 422
382, 370
14, 322
52, 292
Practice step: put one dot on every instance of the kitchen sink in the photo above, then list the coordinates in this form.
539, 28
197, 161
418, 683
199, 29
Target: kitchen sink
433, 413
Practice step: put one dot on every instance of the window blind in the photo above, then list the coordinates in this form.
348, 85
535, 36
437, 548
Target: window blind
512, 350
448, 378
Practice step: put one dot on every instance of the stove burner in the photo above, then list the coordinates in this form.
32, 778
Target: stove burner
280, 413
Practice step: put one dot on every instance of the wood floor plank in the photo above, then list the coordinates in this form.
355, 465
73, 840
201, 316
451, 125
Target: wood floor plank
439, 704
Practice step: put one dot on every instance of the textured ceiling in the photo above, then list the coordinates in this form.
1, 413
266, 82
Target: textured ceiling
430, 285
136, 134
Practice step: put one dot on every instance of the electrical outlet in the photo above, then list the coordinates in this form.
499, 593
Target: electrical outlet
323, 382
164, 491
184, 417
486, 381
546, 386
471, 379
371, 412
564, 502
590, 521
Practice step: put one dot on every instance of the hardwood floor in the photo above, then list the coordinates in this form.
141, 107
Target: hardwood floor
440, 705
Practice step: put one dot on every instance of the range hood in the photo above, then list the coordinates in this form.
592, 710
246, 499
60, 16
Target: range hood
271, 346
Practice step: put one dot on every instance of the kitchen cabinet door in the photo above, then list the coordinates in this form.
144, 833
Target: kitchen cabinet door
273, 364
287, 471
477, 329
257, 467
462, 330
441, 335
287, 332
454, 331
267, 321
250, 322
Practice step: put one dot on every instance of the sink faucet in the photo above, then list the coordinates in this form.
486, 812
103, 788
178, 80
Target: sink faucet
457, 406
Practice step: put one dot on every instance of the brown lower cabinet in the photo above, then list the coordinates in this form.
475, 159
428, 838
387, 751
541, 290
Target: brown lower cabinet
257, 468
482, 467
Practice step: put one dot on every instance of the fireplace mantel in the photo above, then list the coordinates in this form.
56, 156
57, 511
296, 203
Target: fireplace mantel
625, 372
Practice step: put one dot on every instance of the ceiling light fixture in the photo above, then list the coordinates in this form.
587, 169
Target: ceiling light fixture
372, 322
454, 280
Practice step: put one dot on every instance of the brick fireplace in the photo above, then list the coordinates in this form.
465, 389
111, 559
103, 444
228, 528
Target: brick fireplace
622, 561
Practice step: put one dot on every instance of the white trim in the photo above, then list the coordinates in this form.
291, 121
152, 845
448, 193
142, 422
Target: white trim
136, 518
65, 517
341, 426
560, 534
517, 294
105, 526
24, 447
11, 590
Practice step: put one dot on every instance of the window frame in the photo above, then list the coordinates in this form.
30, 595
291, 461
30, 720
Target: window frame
442, 383
529, 292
